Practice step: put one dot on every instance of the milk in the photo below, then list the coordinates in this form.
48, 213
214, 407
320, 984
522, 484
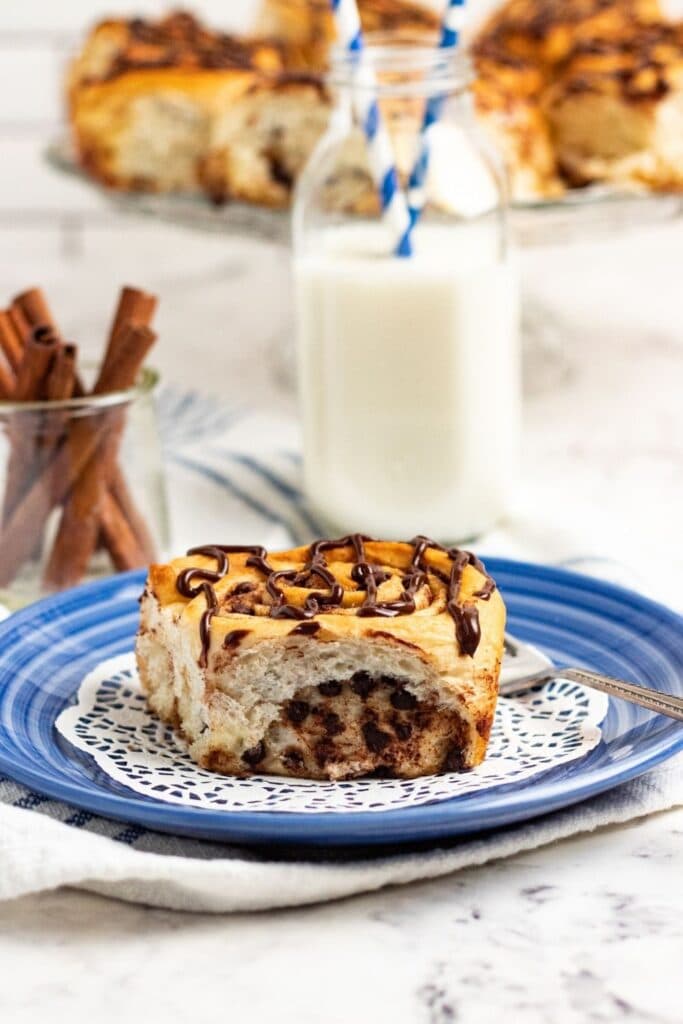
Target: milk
409, 381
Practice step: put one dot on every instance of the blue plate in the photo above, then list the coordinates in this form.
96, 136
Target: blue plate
46, 650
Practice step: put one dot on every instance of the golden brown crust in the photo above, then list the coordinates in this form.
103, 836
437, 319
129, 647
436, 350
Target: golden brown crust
640, 68
171, 106
179, 41
547, 31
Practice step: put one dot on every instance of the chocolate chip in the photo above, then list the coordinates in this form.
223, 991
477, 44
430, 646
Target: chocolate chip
279, 171
363, 684
403, 700
403, 730
332, 724
331, 689
454, 760
305, 629
325, 752
218, 195
244, 588
293, 759
234, 638
255, 754
375, 739
298, 711
424, 716
241, 608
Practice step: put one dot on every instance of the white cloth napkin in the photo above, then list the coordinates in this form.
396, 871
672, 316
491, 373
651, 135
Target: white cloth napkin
37, 852
244, 482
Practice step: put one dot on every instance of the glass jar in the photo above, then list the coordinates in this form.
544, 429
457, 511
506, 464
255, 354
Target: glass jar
408, 368
82, 490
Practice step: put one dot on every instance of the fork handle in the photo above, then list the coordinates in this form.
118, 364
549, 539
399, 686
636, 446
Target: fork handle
653, 700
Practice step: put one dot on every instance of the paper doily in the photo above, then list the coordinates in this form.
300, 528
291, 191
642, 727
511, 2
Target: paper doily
532, 733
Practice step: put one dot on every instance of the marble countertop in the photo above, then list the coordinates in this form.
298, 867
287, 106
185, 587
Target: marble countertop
585, 930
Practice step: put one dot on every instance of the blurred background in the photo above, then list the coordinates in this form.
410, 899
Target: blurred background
610, 429
62, 232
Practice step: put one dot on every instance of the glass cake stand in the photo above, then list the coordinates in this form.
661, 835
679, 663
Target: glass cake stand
583, 215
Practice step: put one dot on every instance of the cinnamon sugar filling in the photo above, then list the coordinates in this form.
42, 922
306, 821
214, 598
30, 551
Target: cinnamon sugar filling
372, 722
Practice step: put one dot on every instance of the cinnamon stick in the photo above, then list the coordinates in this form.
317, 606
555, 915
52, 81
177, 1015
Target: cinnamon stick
59, 387
61, 380
119, 537
78, 533
23, 529
89, 509
34, 308
11, 341
19, 321
124, 499
126, 355
134, 307
24, 463
33, 369
126, 503
8, 381
90, 469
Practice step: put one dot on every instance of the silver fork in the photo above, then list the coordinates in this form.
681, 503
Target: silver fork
525, 666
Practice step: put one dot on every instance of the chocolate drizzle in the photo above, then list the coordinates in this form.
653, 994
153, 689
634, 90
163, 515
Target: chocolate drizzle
181, 41
193, 581
185, 585
305, 629
234, 638
314, 602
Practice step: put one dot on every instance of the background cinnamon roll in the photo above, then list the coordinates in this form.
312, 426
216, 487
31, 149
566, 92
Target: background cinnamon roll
580, 91
338, 660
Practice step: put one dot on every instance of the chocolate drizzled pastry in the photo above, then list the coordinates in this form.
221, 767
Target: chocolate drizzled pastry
557, 119
576, 91
349, 657
172, 105
159, 106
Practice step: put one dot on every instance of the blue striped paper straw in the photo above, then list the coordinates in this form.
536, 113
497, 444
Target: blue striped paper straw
393, 202
451, 27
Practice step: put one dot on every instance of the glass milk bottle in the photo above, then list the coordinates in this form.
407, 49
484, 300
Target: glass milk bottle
408, 366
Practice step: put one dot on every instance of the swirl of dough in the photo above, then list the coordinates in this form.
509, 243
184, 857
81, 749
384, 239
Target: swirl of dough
351, 576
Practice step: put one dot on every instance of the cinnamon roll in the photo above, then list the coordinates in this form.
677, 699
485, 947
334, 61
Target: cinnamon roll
581, 91
347, 658
172, 106
569, 92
